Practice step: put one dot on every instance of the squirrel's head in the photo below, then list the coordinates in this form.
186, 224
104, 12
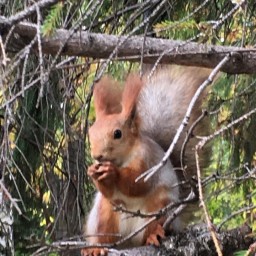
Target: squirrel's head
115, 130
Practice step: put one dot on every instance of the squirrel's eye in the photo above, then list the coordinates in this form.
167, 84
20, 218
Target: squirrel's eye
117, 134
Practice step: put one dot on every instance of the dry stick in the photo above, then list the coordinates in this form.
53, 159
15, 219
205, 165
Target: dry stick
154, 216
20, 56
189, 133
40, 53
19, 93
201, 198
163, 211
201, 34
142, 49
68, 173
125, 38
251, 249
46, 75
86, 245
153, 170
181, 205
37, 38
200, 146
5, 59
10, 197
223, 129
8, 36
245, 209
96, 4
200, 190
120, 42
19, 169
240, 179
134, 233
185, 18
171, 218
27, 12
77, 244
146, 175
69, 245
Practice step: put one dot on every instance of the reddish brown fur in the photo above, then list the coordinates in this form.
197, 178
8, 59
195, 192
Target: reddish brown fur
126, 180
119, 175
104, 177
154, 203
108, 223
107, 97
123, 179
132, 88
107, 229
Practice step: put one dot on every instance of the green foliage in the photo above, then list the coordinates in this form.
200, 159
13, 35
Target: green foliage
233, 152
119, 70
176, 29
240, 253
53, 19
32, 234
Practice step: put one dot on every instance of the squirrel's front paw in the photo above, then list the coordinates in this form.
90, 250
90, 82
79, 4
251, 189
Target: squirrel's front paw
94, 252
153, 238
102, 171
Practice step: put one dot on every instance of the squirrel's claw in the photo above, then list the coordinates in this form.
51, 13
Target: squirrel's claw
153, 238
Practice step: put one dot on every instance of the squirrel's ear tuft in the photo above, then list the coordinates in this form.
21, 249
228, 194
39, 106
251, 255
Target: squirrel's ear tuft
107, 97
131, 92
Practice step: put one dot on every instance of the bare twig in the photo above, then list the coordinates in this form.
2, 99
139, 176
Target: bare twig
27, 12
122, 40
188, 135
233, 214
13, 98
162, 212
39, 44
198, 147
12, 200
201, 34
202, 203
171, 217
146, 175
252, 249
202, 143
134, 233
185, 18
5, 59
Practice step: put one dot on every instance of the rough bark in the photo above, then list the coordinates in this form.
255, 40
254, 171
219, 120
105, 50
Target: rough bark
194, 241
100, 46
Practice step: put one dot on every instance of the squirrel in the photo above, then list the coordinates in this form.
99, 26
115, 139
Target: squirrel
133, 128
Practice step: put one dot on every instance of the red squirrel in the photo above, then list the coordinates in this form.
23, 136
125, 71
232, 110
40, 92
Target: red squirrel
133, 128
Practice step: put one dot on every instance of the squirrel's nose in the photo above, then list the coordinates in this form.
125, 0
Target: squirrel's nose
98, 158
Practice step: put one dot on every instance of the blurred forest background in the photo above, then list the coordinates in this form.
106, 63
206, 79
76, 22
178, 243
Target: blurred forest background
45, 112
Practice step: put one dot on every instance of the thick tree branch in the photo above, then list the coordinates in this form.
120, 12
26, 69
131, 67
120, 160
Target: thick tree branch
102, 45
195, 240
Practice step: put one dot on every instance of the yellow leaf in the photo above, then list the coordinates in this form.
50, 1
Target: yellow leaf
47, 197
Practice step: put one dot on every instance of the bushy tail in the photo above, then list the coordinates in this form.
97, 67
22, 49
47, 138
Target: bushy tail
162, 105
